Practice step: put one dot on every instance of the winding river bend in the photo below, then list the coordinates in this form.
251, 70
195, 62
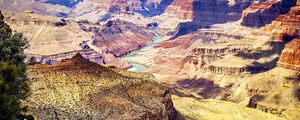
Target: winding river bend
137, 67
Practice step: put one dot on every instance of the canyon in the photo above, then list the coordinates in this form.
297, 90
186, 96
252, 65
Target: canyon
161, 59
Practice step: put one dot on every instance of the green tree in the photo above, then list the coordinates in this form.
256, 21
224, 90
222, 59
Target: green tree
13, 79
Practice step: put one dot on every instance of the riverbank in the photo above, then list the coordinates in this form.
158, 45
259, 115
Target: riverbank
138, 59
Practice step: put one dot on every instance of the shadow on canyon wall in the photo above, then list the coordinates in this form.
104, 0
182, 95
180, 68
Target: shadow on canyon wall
204, 87
152, 10
207, 13
67, 3
295, 81
262, 18
257, 67
210, 12
276, 48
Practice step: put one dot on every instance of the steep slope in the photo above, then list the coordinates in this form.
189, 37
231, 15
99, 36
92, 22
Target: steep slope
290, 55
209, 12
79, 89
263, 13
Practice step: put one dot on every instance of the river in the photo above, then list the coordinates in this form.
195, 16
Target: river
137, 67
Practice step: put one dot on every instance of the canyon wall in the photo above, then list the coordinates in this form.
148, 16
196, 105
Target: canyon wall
181, 9
206, 13
261, 14
290, 56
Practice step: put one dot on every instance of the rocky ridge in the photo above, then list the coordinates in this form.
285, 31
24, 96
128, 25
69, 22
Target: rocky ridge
79, 89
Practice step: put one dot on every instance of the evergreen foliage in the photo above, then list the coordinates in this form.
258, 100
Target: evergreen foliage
13, 79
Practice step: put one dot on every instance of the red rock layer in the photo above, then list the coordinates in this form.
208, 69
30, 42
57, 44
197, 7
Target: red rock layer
259, 7
260, 14
181, 9
286, 27
290, 56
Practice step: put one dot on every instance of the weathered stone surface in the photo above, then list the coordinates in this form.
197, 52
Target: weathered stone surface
260, 14
79, 89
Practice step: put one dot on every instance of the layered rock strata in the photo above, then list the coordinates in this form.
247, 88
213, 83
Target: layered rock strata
287, 26
206, 13
181, 9
260, 14
290, 56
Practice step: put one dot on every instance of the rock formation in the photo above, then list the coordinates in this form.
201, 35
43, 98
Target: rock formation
260, 14
181, 9
119, 37
79, 89
52, 39
290, 56
206, 13
286, 26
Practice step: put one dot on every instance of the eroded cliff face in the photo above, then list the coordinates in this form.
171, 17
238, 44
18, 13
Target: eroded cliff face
206, 13
286, 26
261, 14
79, 89
290, 56
181, 9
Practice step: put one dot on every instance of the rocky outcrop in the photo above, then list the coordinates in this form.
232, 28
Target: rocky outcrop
260, 14
290, 56
215, 51
79, 89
